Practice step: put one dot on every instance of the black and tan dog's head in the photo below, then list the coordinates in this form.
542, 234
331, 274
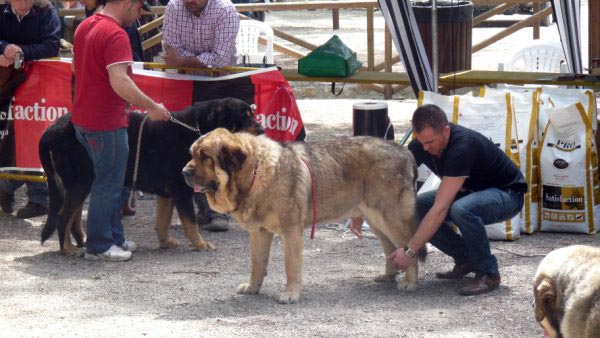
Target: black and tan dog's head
219, 161
230, 113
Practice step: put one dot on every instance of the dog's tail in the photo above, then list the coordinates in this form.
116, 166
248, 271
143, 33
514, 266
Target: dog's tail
55, 196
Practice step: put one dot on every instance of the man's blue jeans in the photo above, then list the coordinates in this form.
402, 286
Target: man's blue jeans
470, 212
37, 192
108, 151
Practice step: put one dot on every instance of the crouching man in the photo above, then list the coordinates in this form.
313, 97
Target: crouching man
479, 185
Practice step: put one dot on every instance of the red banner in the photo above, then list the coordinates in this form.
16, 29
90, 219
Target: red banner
42, 98
46, 95
276, 105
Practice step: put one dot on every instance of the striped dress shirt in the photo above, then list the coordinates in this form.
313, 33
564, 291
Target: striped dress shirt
210, 37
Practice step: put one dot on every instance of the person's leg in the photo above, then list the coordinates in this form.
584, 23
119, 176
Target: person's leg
208, 219
37, 192
445, 239
7, 194
121, 146
105, 195
472, 212
37, 202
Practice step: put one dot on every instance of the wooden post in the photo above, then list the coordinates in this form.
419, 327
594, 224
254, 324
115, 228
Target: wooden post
335, 13
594, 31
536, 25
370, 40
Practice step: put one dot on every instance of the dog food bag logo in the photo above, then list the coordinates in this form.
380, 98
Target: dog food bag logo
565, 204
40, 100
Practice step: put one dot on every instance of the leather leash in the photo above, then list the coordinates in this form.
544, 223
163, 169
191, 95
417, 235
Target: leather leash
131, 198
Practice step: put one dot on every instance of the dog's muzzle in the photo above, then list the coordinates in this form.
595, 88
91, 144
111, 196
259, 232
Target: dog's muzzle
190, 179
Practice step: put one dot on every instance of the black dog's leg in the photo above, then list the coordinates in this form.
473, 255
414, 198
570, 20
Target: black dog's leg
185, 208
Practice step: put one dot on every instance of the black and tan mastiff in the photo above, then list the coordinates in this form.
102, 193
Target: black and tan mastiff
566, 288
269, 188
164, 150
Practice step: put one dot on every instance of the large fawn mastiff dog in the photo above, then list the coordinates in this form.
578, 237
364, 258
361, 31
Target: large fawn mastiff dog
272, 188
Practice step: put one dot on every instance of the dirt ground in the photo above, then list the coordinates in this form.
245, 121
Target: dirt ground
182, 293
171, 293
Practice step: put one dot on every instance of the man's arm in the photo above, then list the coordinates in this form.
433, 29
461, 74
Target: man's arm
444, 197
227, 29
49, 43
172, 43
124, 86
172, 58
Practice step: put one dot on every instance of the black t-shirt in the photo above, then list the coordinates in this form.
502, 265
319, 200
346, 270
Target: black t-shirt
472, 155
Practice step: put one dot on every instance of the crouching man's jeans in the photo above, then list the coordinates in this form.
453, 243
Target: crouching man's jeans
108, 151
470, 212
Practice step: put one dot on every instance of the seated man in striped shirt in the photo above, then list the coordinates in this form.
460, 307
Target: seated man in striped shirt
200, 33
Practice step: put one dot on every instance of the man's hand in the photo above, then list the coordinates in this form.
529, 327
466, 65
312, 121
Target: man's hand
6, 62
400, 259
11, 51
171, 57
159, 113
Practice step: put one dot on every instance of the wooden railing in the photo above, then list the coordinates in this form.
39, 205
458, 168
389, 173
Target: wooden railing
302, 47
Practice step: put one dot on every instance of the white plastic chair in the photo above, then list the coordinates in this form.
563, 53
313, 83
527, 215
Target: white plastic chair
540, 56
247, 42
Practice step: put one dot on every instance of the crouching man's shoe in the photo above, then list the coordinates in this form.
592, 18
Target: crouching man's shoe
480, 284
6, 202
32, 210
458, 271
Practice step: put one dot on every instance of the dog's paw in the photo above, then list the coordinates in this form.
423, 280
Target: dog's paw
384, 278
247, 289
203, 246
406, 286
287, 297
170, 243
74, 252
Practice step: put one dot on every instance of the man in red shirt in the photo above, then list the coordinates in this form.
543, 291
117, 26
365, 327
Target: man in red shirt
103, 92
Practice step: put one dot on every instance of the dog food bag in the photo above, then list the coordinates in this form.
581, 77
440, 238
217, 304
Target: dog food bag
560, 97
448, 104
494, 118
526, 106
570, 194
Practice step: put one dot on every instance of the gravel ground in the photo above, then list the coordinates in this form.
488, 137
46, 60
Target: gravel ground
172, 293
179, 292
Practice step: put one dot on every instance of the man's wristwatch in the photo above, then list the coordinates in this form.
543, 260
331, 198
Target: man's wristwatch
408, 251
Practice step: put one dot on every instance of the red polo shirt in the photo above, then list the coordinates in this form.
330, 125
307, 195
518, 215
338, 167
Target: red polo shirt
98, 43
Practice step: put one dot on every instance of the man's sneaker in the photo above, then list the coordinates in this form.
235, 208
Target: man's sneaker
129, 246
217, 224
32, 210
114, 254
6, 202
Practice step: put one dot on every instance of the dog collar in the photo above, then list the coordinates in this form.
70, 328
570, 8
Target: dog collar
253, 177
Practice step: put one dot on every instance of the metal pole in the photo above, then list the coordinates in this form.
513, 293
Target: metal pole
434, 44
